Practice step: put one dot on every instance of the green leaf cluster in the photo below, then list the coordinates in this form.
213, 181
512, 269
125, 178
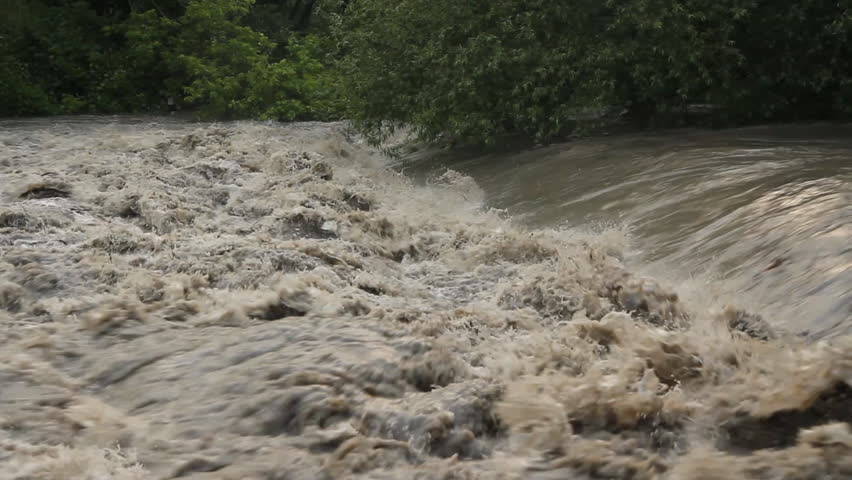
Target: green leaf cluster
472, 71
98, 56
481, 69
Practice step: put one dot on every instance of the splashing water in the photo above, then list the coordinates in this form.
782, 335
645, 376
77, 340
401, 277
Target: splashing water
257, 301
760, 215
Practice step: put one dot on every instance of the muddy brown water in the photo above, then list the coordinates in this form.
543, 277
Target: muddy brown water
264, 301
761, 214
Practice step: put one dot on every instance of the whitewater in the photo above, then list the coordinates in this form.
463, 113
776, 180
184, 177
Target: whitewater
263, 301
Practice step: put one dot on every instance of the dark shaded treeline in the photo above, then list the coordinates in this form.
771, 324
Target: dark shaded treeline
480, 69
227, 58
474, 70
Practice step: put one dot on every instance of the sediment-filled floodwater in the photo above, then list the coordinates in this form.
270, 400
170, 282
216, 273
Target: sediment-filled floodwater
258, 301
759, 215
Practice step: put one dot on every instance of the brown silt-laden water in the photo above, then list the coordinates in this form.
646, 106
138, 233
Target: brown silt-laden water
258, 301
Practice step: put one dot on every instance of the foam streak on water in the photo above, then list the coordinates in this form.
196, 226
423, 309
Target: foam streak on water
256, 301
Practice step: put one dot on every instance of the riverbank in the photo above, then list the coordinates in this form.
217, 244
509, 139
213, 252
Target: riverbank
260, 301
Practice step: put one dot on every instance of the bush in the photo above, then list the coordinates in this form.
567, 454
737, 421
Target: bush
297, 88
19, 95
88, 56
224, 68
471, 70
480, 69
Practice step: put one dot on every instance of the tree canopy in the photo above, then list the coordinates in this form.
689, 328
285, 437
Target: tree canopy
225, 58
474, 70
483, 68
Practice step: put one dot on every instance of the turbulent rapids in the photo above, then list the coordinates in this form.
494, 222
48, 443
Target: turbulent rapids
255, 301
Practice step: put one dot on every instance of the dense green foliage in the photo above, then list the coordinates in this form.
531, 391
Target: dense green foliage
223, 58
479, 69
473, 70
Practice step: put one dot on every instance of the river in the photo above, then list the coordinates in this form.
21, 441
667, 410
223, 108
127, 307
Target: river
264, 301
761, 216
